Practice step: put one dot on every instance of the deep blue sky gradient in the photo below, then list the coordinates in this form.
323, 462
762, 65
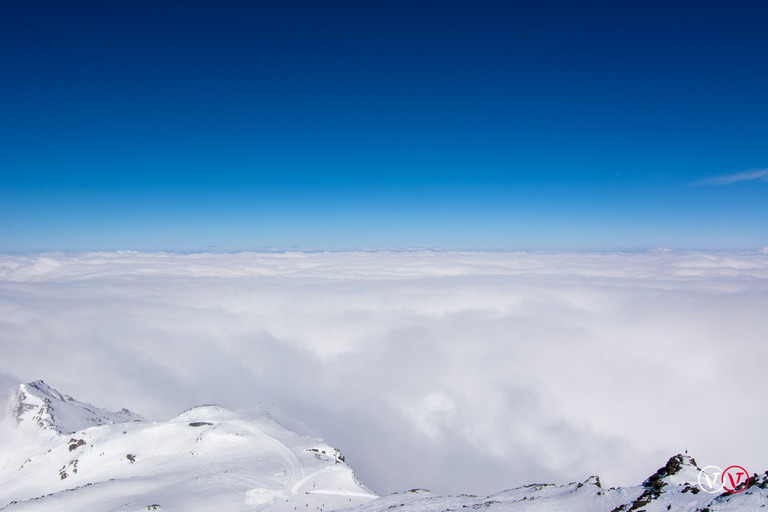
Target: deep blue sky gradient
344, 125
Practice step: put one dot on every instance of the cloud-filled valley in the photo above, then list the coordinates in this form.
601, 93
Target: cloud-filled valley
460, 372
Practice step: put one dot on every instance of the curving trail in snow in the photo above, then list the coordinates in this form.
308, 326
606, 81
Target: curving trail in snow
302, 489
206, 458
294, 471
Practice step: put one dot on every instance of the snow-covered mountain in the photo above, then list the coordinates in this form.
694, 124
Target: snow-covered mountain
672, 488
38, 403
57, 453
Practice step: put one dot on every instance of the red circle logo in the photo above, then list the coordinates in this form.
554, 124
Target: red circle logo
735, 479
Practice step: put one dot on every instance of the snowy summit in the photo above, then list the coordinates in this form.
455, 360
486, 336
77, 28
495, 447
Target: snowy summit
62, 454
58, 453
38, 403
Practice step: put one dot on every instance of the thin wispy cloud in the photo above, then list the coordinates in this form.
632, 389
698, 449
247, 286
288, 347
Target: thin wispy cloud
727, 179
460, 372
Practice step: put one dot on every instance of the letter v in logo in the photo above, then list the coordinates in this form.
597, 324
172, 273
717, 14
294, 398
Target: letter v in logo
710, 479
737, 479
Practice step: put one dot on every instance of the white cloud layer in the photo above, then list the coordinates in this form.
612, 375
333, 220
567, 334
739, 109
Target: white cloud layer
460, 372
727, 179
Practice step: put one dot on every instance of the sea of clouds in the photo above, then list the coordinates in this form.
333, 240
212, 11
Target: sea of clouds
459, 372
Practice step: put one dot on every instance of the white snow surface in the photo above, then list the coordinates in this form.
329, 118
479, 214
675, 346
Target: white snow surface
38, 403
675, 490
207, 458
212, 458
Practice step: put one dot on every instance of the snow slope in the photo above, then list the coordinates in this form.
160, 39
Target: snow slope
672, 488
59, 454
207, 458
38, 403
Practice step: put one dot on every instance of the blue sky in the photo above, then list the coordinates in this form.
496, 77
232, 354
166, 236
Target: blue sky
193, 126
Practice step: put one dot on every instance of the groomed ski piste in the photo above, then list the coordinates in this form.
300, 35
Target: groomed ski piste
207, 458
60, 454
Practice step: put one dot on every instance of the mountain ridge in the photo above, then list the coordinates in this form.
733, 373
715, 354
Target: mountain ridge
211, 458
206, 458
37, 402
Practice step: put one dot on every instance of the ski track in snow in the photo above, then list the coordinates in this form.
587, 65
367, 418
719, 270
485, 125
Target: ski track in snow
297, 480
270, 468
293, 469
